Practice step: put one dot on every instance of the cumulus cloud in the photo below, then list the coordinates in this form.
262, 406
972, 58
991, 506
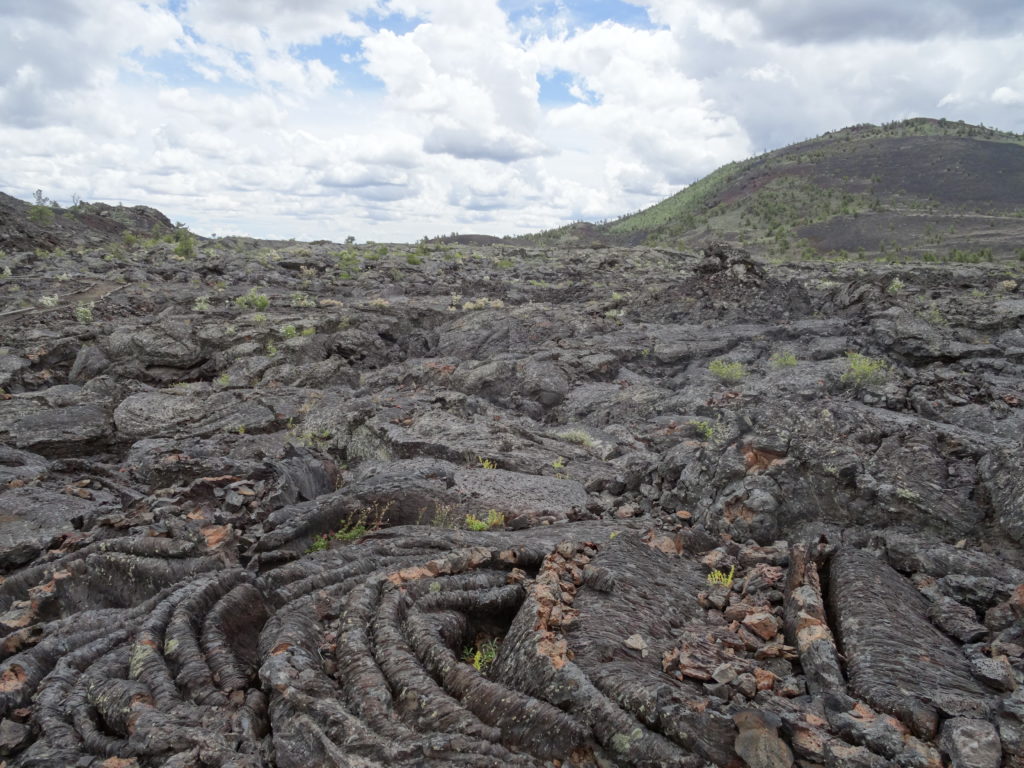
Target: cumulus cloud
391, 119
803, 21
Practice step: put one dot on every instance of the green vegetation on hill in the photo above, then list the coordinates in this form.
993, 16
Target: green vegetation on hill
924, 189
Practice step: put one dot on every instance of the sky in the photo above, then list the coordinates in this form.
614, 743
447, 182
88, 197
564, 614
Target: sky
391, 120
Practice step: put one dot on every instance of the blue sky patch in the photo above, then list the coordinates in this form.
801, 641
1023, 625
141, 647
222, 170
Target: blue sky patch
554, 89
581, 13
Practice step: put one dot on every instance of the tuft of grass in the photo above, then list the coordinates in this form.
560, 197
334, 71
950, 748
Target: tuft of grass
483, 303
783, 359
727, 372
721, 578
577, 436
864, 371
370, 519
482, 656
486, 463
494, 519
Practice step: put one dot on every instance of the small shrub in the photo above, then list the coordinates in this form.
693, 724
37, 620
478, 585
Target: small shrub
444, 516
49, 301
271, 349
577, 436
559, 463
783, 359
412, 258
863, 371
253, 300
475, 524
483, 303
370, 519
83, 313
300, 299
201, 304
224, 379
895, 286
727, 372
705, 429
186, 245
42, 215
289, 331
933, 315
486, 463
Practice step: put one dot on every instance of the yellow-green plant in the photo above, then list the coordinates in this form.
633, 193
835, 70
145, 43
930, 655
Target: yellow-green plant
577, 436
727, 372
483, 303
83, 313
704, 429
367, 520
719, 578
481, 657
486, 463
253, 300
784, 359
863, 371
494, 519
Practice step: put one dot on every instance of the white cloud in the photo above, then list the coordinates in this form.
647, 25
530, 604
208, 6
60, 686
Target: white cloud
1006, 95
309, 118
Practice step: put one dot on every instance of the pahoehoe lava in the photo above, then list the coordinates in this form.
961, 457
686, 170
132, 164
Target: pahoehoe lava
302, 504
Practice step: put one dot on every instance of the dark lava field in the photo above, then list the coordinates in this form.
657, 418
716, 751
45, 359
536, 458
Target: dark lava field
309, 504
